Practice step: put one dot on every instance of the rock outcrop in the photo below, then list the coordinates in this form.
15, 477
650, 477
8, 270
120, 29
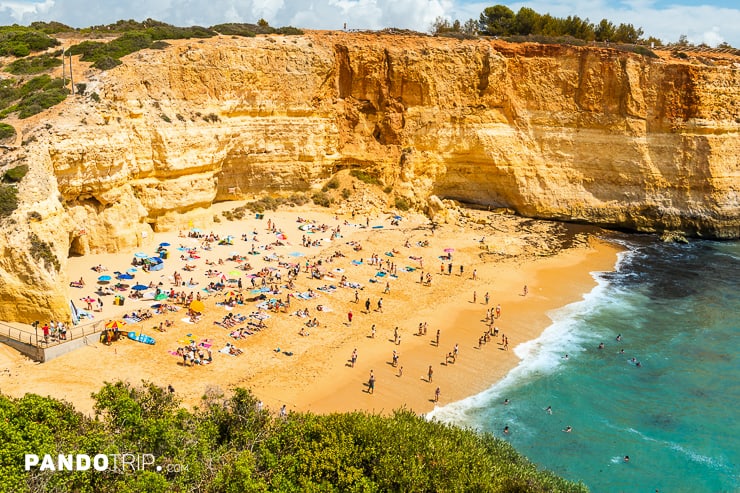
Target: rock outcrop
572, 133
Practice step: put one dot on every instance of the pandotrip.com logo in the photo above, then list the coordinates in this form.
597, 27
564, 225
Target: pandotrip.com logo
121, 463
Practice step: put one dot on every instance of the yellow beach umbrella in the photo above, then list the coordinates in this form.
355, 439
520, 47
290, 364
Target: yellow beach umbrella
197, 306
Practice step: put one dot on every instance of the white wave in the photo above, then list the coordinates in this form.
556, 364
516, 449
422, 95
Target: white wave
539, 357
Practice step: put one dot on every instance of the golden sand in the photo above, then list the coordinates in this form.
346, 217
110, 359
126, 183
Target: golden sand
318, 376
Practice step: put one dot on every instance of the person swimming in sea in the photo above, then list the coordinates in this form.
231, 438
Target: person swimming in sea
548, 409
568, 429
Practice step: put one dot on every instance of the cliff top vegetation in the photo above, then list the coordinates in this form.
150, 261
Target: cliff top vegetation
233, 445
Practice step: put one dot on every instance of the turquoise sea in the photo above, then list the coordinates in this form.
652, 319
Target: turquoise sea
676, 415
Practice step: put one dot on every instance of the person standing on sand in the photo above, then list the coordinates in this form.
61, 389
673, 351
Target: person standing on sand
430, 372
400, 371
387, 289
436, 395
357, 296
371, 383
353, 358
475, 274
486, 297
498, 310
380, 305
449, 269
437, 339
475, 296
349, 317
461, 270
525, 290
367, 305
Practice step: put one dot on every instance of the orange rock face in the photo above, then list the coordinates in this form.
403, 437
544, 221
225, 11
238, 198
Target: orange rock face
572, 133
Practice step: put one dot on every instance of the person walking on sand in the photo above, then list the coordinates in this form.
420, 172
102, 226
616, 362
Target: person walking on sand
475, 296
486, 297
400, 371
372, 332
525, 290
367, 305
353, 359
436, 395
357, 296
475, 274
349, 317
387, 289
436, 342
430, 372
395, 335
380, 305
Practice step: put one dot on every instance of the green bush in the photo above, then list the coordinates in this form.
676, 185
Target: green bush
43, 251
6, 131
34, 65
95, 97
20, 41
322, 199
402, 204
364, 177
80, 88
333, 183
233, 445
106, 63
8, 200
15, 174
346, 193
212, 117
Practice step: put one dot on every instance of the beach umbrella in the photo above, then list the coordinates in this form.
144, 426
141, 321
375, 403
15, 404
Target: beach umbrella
197, 306
132, 270
397, 218
125, 276
196, 230
296, 254
105, 278
160, 297
141, 255
114, 324
281, 236
139, 287
449, 250
164, 244
235, 273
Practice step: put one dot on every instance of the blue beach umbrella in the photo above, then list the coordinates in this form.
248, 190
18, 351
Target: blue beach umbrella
126, 276
139, 287
141, 255
296, 254
104, 278
164, 244
132, 270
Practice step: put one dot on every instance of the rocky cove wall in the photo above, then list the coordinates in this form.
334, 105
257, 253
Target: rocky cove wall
579, 134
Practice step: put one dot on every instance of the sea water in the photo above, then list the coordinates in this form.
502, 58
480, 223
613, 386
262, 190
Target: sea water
676, 309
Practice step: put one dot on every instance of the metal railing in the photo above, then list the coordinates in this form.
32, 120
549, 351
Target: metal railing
35, 336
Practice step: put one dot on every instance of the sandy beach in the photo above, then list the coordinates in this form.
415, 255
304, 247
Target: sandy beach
500, 254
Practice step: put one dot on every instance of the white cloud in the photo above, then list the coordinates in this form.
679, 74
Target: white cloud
700, 23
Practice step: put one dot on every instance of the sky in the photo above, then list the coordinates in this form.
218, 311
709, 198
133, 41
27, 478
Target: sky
702, 21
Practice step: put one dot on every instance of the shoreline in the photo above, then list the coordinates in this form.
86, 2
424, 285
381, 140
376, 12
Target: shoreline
523, 319
317, 377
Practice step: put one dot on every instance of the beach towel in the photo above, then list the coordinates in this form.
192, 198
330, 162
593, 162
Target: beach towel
390, 254
187, 321
356, 262
380, 274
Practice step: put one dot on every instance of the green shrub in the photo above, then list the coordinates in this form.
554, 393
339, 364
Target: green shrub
8, 200
95, 97
34, 65
402, 204
322, 199
364, 177
80, 88
388, 189
6, 131
16, 174
346, 193
43, 251
333, 183
165, 118
212, 117
159, 45
20, 41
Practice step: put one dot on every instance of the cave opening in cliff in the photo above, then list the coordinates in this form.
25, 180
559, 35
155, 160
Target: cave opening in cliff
76, 246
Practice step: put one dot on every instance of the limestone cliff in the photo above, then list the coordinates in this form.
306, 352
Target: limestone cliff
572, 133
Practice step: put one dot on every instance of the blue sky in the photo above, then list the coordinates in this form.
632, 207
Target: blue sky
702, 21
